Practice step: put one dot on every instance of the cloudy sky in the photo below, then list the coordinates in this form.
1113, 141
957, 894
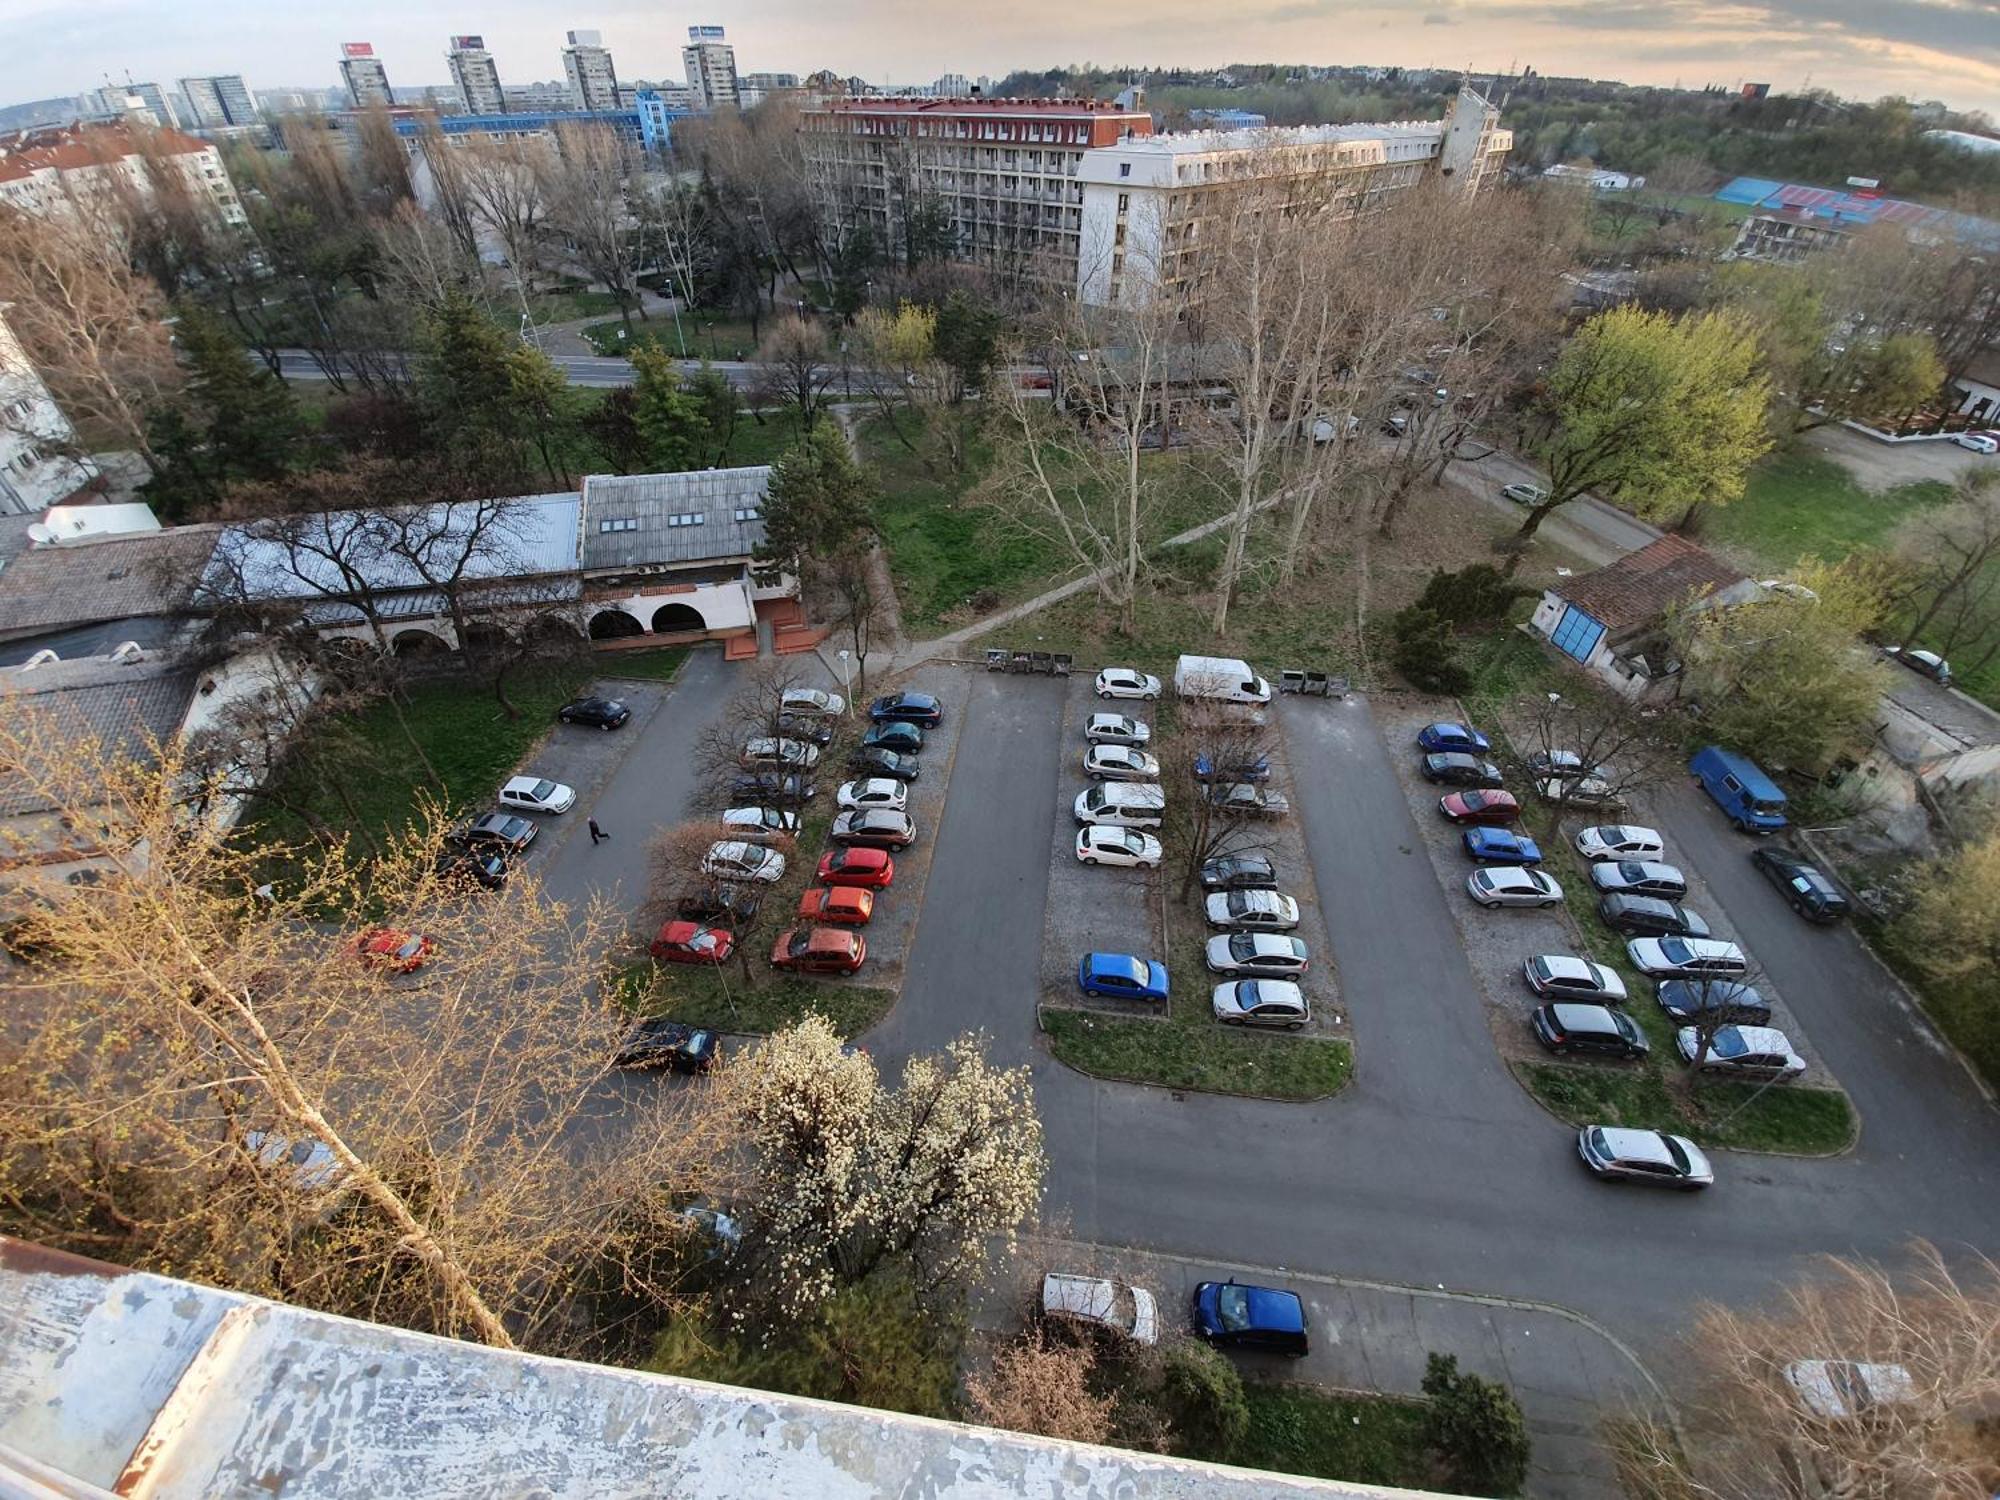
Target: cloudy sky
1947, 49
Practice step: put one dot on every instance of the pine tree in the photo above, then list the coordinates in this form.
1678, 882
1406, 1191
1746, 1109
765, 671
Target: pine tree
672, 425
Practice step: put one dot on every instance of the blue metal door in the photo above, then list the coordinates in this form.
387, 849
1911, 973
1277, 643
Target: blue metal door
1577, 633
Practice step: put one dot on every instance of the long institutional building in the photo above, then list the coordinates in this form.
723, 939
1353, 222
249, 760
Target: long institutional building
1082, 193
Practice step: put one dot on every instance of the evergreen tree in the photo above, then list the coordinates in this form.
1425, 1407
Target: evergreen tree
673, 428
465, 374
816, 509
967, 340
538, 393
1477, 1428
233, 420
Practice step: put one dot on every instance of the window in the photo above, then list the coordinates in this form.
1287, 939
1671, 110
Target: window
617, 523
1124, 202
1124, 169
686, 518
747, 513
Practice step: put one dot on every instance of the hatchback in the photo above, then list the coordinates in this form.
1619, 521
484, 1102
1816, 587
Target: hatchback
1650, 916
1567, 1026
734, 859
910, 708
1639, 877
898, 735
720, 903
691, 943
772, 789
1581, 791
1099, 1303
1746, 1051
1234, 1316
1456, 768
1256, 953
819, 950
1238, 872
1252, 911
1122, 975
1978, 442
843, 905
537, 794
1511, 885
601, 713
876, 761
1433, 738
508, 831
1926, 663
1116, 729
878, 827
1501, 846
808, 727
870, 868
1246, 799
815, 701
876, 791
1480, 807
1617, 1154
1689, 999
659, 1043
1524, 494
1561, 976
1260, 1002
1811, 894
1124, 682
1097, 844
1119, 763
796, 755
759, 822
1619, 841
1699, 957
1236, 766
398, 952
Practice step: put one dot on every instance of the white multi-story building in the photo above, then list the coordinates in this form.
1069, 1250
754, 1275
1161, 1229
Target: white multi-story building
38, 466
366, 79
218, 101
73, 169
752, 89
711, 69
475, 77
593, 81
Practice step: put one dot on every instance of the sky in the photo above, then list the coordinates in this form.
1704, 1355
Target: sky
1924, 49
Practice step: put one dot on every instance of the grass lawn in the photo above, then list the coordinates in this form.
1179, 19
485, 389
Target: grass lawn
1191, 1051
1966, 1010
1800, 504
565, 305
662, 664
718, 336
1360, 1439
764, 442
721, 1000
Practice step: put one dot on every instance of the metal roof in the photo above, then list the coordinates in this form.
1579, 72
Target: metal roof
130, 708
640, 520
1841, 207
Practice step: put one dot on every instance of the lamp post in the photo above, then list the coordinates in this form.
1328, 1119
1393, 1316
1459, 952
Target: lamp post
846, 687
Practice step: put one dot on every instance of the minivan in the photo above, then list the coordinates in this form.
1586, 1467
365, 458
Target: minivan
1223, 679
1750, 798
1123, 804
1650, 916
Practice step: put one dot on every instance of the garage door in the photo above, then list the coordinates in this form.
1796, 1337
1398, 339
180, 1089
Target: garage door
1577, 633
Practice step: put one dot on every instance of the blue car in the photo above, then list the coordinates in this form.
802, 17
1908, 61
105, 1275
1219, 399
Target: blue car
1501, 846
1122, 975
1436, 737
1231, 1315
1257, 768
911, 708
894, 734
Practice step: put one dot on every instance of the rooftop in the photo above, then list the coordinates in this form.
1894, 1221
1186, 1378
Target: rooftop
130, 708
84, 581
1018, 108
646, 520
64, 148
1196, 142
1639, 588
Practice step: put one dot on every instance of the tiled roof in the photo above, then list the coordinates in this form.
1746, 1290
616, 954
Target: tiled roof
1642, 586
130, 709
66, 148
629, 519
78, 583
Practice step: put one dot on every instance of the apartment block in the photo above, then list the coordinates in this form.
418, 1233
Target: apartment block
217, 101
37, 463
593, 81
366, 79
475, 77
711, 69
76, 169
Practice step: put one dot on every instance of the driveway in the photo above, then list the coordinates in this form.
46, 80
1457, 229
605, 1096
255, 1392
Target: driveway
1595, 531
1877, 465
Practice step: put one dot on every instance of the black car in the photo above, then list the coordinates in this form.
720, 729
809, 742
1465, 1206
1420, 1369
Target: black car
1811, 894
1688, 1000
911, 708
810, 728
1456, 768
486, 868
899, 735
1650, 916
502, 830
600, 713
658, 1043
771, 789
873, 760
1239, 872
1567, 1026
720, 903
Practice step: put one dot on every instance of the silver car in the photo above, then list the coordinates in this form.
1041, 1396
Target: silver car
1561, 976
1261, 1002
794, 754
1746, 1051
1512, 885
737, 860
1639, 877
759, 822
1119, 763
1256, 911
811, 702
1620, 841
1621, 1155
1701, 958
1116, 729
1256, 953
1102, 1303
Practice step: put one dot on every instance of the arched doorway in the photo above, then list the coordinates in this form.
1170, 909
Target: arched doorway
613, 624
550, 630
677, 617
486, 636
417, 643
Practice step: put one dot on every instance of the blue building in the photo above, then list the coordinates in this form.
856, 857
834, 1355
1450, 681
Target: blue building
648, 124
1228, 119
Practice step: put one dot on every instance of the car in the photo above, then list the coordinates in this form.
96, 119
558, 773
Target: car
759, 822
819, 950
1252, 911
875, 791
308, 1161
388, 948
599, 713
1099, 844
1639, 877
842, 905
1246, 799
1563, 976
1839, 1390
894, 734
1123, 682
717, 1233
1238, 766
1561, 763
1122, 975
1260, 1002
1479, 807
796, 755
874, 760
659, 1043
1580, 791
537, 794
686, 942
1258, 954
1396, 424
877, 827
1233, 1315
1811, 894
1238, 872
1925, 663
814, 730
1619, 841
909, 708
1689, 999
1500, 846
1745, 1051
737, 859
1524, 494
772, 789
1978, 442
1119, 763
498, 830
1565, 1026
1698, 957
1434, 738
1457, 768
1618, 1154
811, 701
1650, 916
1121, 804
871, 869
1101, 1304
486, 868
1511, 885
720, 903
1116, 729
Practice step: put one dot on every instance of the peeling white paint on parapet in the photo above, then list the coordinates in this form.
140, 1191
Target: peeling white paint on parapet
168, 1391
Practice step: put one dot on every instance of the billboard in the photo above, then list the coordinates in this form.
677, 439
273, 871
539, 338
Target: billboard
704, 33
468, 44
357, 49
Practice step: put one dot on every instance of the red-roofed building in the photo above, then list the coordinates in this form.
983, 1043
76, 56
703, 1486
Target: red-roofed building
75, 169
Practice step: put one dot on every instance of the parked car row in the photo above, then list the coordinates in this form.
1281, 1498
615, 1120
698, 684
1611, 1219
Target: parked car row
1228, 1314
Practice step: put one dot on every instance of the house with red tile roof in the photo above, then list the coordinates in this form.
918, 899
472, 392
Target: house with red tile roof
77, 169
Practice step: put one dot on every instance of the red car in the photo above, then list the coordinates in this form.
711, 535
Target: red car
855, 866
845, 905
398, 952
819, 950
1480, 807
692, 943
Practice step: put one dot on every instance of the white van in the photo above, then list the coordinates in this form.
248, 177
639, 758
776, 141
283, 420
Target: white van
1220, 679
1122, 804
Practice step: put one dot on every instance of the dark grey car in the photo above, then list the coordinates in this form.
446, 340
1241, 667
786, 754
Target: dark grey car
1650, 916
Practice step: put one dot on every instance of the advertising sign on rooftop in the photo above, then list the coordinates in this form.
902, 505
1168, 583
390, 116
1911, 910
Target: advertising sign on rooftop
357, 49
468, 44
704, 33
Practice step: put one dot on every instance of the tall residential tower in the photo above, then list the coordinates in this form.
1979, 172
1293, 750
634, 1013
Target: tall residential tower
711, 69
366, 79
593, 81
473, 73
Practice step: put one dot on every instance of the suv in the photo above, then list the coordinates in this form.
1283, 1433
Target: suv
1566, 1026
1811, 894
1650, 916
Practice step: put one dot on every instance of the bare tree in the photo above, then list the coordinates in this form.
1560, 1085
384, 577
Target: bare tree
675, 230
1213, 745
422, 262
798, 358
588, 205
1951, 549
451, 195
1036, 1384
1588, 749
507, 185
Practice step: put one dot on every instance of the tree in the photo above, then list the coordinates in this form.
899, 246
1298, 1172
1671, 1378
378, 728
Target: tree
1040, 1385
1619, 745
233, 420
506, 184
1211, 739
820, 529
1202, 1394
796, 354
588, 205
1655, 414
672, 423
451, 199
467, 379
1953, 924
967, 341
721, 407
613, 425
1476, 1426
1872, 378
1425, 651
538, 395
1951, 551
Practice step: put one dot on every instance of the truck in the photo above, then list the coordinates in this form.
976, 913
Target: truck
1220, 679
1740, 788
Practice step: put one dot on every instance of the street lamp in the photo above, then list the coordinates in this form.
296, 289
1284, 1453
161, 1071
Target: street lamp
846, 689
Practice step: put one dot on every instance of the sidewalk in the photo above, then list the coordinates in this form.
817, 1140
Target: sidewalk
1566, 1371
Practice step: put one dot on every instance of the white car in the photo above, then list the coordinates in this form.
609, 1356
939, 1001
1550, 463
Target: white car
738, 860
1639, 877
1620, 841
1116, 729
1978, 442
1123, 682
1119, 763
1562, 976
1098, 845
1524, 494
811, 702
1124, 1309
1512, 885
876, 791
1252, 911
1840, 1388
1255, 953
1697, 958
759, 822
1580, 791
1261, 1002
1747, 1051
796, 754
537, 794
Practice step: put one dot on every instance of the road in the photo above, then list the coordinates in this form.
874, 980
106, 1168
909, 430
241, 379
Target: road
1595, 531
589, 370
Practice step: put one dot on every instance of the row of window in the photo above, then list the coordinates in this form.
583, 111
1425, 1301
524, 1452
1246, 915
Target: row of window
975, 130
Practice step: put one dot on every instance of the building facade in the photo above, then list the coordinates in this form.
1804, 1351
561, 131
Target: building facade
593, 81
77, 169
475, 77
37, 466
366, 79
710, 63
218, 101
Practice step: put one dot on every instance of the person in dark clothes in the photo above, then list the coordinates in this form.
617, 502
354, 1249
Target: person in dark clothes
596, 833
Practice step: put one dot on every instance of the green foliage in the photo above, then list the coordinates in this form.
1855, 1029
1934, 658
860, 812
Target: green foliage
720, 406
1477, 595
851, 261
1800, 504
967, 340
538, 399
1477, 1428
927, 232
1424, 652
465, 373
1202, 1396
1187, 1050
234, 420
1871, 379
1360, 1439
816, 508
671, 422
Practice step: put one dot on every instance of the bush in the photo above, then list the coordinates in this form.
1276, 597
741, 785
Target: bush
1477, 1428
1478, 595
1425, 654
1201, 1394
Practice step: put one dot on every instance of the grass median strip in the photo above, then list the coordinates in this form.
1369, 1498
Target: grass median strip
1196, 1053
1808, 1122
1359, 1439
721, 1000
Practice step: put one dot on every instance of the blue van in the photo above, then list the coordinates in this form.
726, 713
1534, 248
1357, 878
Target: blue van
1751, 798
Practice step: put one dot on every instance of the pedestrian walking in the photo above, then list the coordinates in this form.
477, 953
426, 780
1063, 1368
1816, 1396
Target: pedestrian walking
596, 833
